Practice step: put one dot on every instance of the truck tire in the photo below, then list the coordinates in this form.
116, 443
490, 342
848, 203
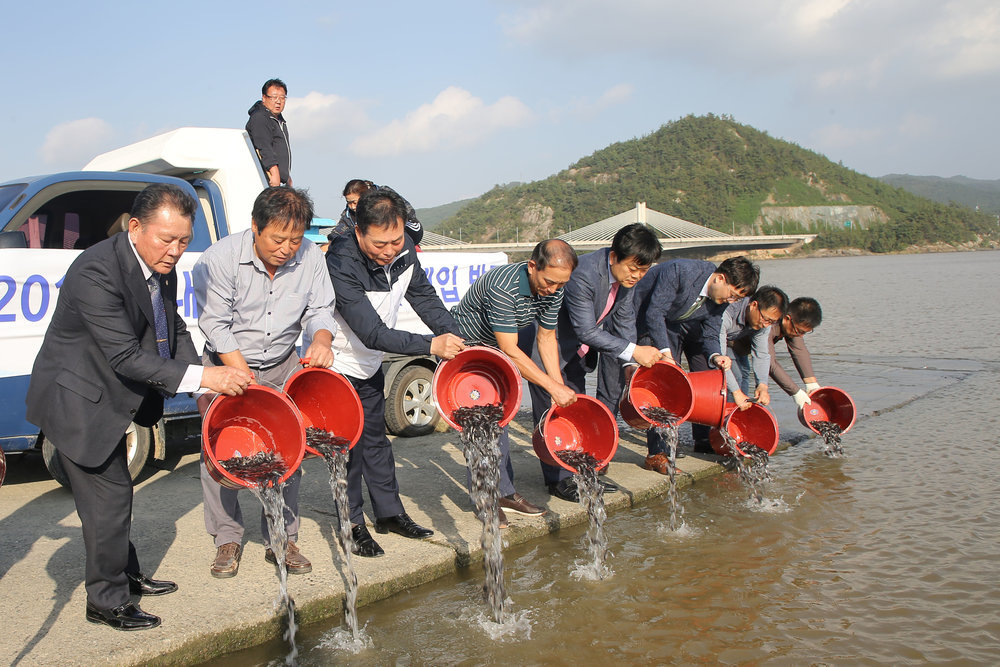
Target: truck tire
138, 442
409, 409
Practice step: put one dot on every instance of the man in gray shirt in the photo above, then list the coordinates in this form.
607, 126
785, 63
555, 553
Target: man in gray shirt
257, 291
751, 318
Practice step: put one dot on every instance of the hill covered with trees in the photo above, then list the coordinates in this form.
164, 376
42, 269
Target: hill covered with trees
716, 172
971, 192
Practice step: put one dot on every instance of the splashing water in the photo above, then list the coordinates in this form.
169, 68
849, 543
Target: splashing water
262, 471
751, 465
480, 432
665, 423
335, 451
831, 433
591, 495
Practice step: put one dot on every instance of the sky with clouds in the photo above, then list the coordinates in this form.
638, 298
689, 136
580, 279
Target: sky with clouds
444, 100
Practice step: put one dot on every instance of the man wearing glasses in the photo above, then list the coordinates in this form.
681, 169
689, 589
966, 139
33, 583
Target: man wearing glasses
745, 334
804, 315
679, 305
596, 330
269, 133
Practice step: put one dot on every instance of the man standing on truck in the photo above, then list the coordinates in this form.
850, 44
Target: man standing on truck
269, 133
374, 267
257, 291
114, 348
503, 301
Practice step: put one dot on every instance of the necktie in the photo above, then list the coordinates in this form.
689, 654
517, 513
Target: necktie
607, 309
159, 317
690, 311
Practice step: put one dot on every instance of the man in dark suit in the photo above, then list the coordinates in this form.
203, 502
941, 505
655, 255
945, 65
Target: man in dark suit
679, 307
596, 330
114, 348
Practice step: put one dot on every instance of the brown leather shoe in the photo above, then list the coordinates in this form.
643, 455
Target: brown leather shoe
518, 504
295, 562
503, 520
227, 561
658, 463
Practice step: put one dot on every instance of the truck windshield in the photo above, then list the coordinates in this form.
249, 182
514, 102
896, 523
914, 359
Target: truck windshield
8, 192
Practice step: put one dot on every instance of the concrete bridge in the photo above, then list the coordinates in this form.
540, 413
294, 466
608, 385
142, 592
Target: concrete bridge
670, 245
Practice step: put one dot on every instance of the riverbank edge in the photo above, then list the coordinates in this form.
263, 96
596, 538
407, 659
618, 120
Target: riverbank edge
641, 487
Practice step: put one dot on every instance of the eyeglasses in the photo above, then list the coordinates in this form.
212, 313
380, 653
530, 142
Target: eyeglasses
276, 98
797, 329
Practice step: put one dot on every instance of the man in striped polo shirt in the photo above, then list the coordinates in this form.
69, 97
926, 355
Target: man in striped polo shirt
501, 302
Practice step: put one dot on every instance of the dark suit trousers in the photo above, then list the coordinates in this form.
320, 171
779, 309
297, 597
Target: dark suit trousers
684, 339
371, 459
103, 497
609, 389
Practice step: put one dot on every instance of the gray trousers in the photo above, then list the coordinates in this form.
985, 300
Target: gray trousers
223, 516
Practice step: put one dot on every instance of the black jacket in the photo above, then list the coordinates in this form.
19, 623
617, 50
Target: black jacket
269, 134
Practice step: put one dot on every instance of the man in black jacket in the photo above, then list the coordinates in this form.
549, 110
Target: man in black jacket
269, 133
373, 269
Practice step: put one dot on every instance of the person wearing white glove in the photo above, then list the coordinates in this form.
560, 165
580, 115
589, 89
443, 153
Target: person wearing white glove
801, 398
804, 315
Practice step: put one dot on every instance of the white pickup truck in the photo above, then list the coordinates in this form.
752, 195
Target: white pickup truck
45, 221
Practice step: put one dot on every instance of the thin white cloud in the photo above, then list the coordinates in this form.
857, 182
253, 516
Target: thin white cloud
72, 144
317, 115
455, 118
834, 139
815, 40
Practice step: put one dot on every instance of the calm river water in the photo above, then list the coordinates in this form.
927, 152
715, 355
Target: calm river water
888, 555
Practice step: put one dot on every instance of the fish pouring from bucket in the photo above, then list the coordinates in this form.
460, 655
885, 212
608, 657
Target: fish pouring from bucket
831, 433
751, 465
262, 472
591, 495
665, 422
480, 432
335, 451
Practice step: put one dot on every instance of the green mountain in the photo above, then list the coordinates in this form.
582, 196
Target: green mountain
971, 192
716, 172
432, 216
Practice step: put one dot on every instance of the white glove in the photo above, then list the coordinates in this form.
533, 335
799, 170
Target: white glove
811, 387
801, 399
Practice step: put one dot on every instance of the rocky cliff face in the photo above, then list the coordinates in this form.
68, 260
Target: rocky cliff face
821, 217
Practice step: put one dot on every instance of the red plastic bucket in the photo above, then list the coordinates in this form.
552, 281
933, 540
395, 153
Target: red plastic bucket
663, 385
259, 420
829, 404
328, 401
586, 425
709, 389
477, 376
755, 425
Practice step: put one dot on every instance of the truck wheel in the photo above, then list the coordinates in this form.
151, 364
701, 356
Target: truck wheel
409, 409
138, 442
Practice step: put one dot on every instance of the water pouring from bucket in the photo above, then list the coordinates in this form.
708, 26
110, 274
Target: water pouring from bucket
256, 440
583, 438
478, 392
831, 413
663, 385
748, 437
334, 420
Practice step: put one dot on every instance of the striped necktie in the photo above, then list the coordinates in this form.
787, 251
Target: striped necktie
159, 316
690, 311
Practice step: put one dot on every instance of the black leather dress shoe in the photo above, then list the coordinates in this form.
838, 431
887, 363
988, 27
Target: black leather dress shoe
565, 489
364, 544
125, 617
402, 524
140, 584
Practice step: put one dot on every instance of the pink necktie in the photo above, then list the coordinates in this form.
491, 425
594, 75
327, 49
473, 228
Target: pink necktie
607, 309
